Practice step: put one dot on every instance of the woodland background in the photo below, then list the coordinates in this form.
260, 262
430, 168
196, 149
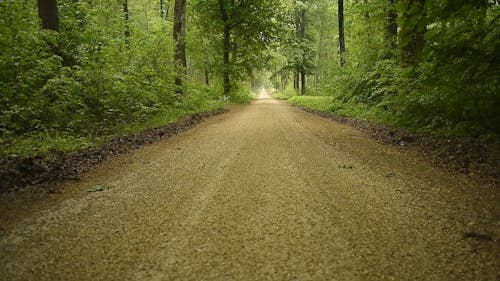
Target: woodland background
96, 69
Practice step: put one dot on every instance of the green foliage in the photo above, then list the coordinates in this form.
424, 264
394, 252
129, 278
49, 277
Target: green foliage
98, 84
330, 104
312, 102
101, 76
451, 87
254, 27
285, 94
455, 88
242, 94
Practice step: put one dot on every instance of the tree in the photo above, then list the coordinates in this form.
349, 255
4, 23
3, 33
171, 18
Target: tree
299, 10
179, 35
127, 28
226, 48
244, 30
341, 32
49, 14
301, 30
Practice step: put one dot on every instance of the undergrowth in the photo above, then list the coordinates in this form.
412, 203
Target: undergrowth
332, 105
45, 142
374, 113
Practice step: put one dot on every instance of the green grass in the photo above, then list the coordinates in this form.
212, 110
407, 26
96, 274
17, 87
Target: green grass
313, 102
374, 114
284, 95
45, 143
42, 143
331, 105
386, 113
242, 94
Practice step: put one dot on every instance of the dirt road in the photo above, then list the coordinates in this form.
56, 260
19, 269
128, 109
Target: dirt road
264, 192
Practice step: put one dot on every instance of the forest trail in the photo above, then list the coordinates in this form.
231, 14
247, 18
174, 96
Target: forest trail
264, 192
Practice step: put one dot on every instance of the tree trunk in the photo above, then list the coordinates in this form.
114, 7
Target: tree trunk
319, 61
127, 28
303, 64
180, 44
296, 71
49, 14
341, 32
300, 30
226, 49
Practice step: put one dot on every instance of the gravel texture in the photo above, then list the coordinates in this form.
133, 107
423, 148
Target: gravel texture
475, 156
19, 172
264, 192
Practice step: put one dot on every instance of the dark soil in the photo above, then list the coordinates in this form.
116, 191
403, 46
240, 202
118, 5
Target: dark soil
16, 173
467, 155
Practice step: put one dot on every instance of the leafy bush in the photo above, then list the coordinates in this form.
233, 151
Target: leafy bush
452, 87
76, 88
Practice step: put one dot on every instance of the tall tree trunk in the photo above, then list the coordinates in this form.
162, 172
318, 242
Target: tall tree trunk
127, 28
300, 30
303, 63
319, 61
392, 24
180, 44
413, 29
341, 32
226, 49
296, 71
49, 14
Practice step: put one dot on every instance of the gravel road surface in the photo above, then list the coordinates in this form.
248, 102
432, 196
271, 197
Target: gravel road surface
263, 192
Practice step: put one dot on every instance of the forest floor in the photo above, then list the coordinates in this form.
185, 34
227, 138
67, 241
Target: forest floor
263, 192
